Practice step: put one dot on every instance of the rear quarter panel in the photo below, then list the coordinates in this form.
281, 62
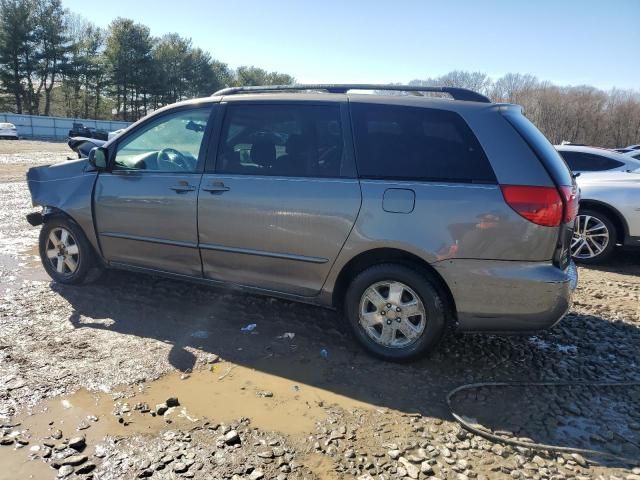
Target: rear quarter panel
622, 195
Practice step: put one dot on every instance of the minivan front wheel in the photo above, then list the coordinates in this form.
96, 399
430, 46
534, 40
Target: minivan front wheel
64, 250
396, 313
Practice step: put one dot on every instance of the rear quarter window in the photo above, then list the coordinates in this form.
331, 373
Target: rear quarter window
413, 143
548, 155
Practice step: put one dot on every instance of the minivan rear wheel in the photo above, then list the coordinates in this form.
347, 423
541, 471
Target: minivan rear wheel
395, 312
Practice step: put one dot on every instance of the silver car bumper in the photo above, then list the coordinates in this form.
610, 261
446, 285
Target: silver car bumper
503, 296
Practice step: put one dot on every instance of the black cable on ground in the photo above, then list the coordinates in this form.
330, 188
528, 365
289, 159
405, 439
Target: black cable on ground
536, 446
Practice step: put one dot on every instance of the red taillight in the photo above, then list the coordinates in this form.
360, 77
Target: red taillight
571, 202
540, 205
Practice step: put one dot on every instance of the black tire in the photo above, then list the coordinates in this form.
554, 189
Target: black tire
427, 291
84, 261
613, 238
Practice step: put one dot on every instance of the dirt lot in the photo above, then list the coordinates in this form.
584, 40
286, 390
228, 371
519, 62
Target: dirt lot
86, 374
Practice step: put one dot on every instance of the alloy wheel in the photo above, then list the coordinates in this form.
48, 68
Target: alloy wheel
392, 314
62, 251
590, 237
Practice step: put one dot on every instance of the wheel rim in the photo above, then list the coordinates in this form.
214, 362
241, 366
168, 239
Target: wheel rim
62, 251
590, 237
392, 314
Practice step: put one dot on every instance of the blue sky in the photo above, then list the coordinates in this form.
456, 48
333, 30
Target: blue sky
568, 42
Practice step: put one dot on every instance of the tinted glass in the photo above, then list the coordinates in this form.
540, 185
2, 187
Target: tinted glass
170, 143
396, 142
588, 162
282, 140
543, 149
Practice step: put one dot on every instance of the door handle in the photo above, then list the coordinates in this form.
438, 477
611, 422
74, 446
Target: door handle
182, 187
216, 187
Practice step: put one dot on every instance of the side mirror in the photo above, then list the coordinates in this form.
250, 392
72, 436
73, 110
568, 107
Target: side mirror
98, 158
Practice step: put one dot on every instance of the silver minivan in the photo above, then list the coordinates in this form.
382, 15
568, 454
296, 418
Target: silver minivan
410, 212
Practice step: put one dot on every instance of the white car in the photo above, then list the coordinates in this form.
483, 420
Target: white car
592, 159
609, 214
8, 130
633, 154
115, 133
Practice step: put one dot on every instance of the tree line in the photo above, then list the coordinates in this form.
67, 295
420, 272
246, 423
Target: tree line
578, 114
53, 62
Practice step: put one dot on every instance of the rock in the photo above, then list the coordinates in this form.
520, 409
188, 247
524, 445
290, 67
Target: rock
632, 476
73, 460
86, 468
232, 437
412, 470
579, 459
180, 467
145, 474
78, 443
56, 434
394, 454
161, 409
426, 468
256, 475
6, 441
172, 402
265, 454
350, 454
65, 471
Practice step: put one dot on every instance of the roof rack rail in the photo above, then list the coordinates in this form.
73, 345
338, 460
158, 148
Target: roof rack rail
455, 92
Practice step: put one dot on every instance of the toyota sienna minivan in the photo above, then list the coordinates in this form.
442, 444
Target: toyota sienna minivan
411, 213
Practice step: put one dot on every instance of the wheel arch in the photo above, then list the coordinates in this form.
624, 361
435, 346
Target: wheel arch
49, 212
391, 255
618, 220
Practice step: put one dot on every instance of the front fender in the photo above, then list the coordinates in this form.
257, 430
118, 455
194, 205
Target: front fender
68, 188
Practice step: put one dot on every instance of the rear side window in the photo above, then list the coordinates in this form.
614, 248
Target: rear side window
410, 143
543, 149
588, 162
282, 140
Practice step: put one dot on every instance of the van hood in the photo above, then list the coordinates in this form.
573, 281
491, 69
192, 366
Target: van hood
58, 171
62, 185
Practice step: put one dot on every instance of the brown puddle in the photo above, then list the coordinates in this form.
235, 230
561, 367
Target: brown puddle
221, 394
27, 266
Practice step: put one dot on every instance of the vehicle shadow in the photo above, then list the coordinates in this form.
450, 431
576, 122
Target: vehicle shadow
198, 318
625, 261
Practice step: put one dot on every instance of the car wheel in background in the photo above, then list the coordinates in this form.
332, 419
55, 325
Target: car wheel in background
594, 237
395, 312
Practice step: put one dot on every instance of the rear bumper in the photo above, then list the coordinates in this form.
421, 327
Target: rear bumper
502, 296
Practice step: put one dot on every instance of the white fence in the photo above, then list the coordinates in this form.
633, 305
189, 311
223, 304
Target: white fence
54, 127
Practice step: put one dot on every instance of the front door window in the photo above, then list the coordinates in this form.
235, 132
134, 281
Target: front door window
172, 143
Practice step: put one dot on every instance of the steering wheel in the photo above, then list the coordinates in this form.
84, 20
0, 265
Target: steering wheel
172, 159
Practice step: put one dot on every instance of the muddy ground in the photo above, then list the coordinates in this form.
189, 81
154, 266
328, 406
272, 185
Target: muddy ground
136, 377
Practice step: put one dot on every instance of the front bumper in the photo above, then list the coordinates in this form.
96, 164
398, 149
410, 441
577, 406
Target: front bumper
507, 296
